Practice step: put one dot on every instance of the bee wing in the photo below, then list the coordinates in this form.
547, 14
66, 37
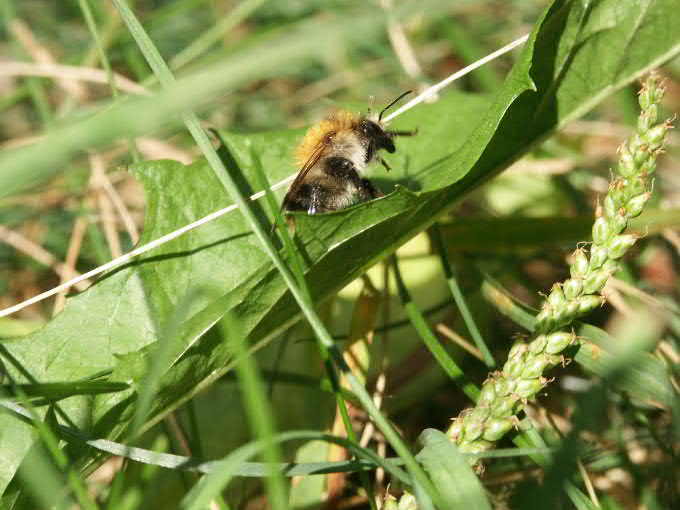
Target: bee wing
309, 164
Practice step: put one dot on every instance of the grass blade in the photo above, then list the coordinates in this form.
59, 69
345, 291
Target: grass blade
451, 472
440, 354
458, 297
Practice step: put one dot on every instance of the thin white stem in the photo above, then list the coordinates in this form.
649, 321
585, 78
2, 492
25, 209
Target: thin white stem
138, 251
455, 76
217, 214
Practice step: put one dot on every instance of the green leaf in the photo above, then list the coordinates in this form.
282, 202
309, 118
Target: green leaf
648, 379
510, 234
56, 391
578, 54
451, 473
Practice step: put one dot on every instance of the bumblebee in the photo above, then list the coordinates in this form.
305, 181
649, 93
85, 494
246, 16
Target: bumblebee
333, 156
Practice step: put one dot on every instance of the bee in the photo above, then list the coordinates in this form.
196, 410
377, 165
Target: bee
333, 156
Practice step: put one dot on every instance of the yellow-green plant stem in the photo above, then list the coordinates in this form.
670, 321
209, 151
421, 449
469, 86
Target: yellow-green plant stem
505, 393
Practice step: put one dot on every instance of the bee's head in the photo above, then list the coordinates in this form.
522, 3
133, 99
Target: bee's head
376, 136
374, 132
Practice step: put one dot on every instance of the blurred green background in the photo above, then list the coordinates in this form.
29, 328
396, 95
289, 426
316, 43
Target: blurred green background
518, 230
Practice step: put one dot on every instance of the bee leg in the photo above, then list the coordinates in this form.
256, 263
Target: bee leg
369, 190
384, 163
314, 201
290, 220
403, 133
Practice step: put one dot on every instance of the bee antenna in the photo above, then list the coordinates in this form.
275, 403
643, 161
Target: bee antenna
393, 103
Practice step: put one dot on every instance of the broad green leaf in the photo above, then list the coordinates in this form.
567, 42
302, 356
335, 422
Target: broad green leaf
578, 54
510, 234
56, 391
451, 473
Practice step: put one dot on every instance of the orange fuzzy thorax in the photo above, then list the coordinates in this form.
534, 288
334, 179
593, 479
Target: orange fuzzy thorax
337, 121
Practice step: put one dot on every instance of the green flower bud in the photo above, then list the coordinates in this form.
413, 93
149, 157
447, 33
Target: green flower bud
504, 386
535, 367
554, 359
610, 208
598, 256
651, 92
544, 320
601, 230
517, 404
504, 407
512, 367
633, 144
611, 266
619, 192
538, 344
557, 342
572, 288
527, 388
408, 502
588, 303
645, 99
626, 165
636, 204
496, 429
455, 430
655, 136
560, 315
479, 414
571, 309
518, 350
480, 445
556, 297
649, 167
636, 186
472, 429
617, 223
488, 393
595, 281
647, 118
579, 266
620, 245
642, 155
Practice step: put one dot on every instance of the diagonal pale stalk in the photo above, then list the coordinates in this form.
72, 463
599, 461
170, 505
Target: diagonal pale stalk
226, 179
